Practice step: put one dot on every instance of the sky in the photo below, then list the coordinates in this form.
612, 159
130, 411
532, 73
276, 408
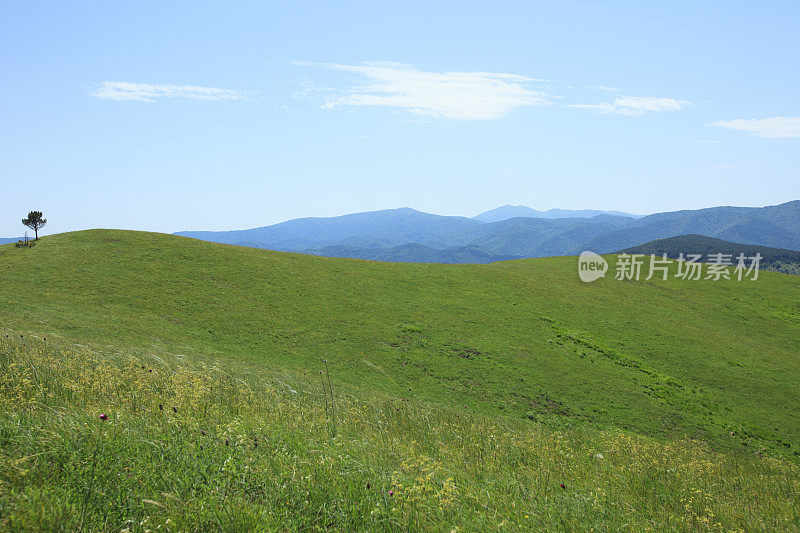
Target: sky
170, 116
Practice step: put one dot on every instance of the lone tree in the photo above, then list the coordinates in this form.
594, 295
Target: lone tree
35, 222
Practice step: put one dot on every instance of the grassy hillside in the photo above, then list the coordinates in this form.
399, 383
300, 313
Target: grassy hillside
99, 441
717, 360
439, 371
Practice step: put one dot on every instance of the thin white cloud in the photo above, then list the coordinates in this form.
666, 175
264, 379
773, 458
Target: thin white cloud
450, 95
636, 105
144, 92
774, 127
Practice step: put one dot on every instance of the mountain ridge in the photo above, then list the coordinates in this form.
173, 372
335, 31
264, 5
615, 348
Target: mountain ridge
507, 211
774, 259
370, 234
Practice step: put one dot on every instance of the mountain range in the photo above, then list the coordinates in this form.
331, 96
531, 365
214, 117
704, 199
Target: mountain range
514, 211
408, 235
775, 259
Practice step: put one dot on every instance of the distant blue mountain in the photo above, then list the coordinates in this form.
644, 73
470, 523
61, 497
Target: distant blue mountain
414, 253
531, 237
776, 259
776, 226
409, 235
374, 229
514, 211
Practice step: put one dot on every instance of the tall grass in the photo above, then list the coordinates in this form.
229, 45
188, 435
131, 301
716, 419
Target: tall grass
187, 446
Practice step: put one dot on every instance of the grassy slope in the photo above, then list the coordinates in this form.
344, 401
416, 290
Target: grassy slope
191, 447
714, 360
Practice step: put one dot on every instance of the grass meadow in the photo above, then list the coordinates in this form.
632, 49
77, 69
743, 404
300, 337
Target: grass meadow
91, 441
243, 389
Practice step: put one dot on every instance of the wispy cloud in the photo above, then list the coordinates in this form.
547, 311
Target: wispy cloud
144, 92
774, 127
636, 105
450, 95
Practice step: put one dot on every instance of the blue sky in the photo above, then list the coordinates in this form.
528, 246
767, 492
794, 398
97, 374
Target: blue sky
168, 116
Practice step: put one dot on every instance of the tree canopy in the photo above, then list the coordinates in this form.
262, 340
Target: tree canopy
35, 222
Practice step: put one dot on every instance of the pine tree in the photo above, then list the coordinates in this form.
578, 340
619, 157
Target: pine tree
35, 222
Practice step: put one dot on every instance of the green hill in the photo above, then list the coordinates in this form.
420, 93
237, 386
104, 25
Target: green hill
509, 337
515, 347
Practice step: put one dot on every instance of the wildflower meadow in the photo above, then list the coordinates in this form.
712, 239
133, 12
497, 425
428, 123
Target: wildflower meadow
136, 442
